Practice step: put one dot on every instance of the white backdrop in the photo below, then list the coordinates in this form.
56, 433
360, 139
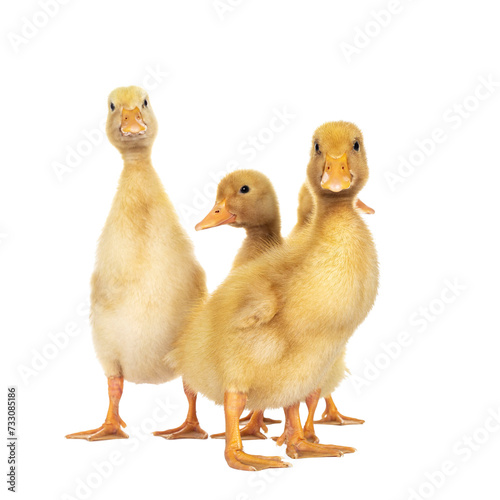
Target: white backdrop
420, 78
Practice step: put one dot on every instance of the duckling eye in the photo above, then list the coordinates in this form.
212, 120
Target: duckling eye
112, 106
356, 146
244, 189
316, 147
145, 103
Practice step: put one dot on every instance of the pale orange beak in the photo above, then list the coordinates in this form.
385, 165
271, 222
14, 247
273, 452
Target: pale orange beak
132, 122
336, 174
218, 216
364, 208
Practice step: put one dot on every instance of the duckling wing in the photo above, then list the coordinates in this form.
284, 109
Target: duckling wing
257, 306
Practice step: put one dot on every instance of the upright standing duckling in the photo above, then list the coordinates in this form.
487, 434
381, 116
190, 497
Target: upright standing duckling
337, 373
146, 277
247, 199
270, 333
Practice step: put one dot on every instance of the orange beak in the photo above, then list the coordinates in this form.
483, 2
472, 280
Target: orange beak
364, 208
218, 216
336, 174
132, 122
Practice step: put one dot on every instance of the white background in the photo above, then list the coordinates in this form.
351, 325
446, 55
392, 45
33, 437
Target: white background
227, 73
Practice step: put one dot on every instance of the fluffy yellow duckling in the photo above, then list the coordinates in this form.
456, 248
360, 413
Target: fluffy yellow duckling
146, 277
247, 199
331, 415
268, 336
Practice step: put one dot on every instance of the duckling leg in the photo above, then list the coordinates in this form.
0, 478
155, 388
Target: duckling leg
267, 421
234, 404
312, 403
251, 430
309, 434
190, 429
332, 416
111, 428
299, 447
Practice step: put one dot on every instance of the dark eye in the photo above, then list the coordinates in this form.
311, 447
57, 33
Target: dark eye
244, 189
145, 103
316, 147
356, 146
112, 106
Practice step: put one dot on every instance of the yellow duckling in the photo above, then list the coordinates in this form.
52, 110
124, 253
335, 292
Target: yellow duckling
146, 277
268, 336
246, 198
331, 415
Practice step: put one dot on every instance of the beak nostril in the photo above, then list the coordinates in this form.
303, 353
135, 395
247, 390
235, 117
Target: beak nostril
217, 211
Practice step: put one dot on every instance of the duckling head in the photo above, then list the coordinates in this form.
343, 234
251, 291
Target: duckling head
131, 124
245, 198
338, 166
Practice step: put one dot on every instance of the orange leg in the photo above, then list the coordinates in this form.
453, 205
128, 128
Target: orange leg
332, 416
111, 428
266, 420
251, 430
312, 403
309, 434
190, 429
234, 404
297, 444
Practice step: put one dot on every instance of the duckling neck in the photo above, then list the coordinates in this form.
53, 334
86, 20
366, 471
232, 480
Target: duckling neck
259, 239
137, 159
264, 232
332, 210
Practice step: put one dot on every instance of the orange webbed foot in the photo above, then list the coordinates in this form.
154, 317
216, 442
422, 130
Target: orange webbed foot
238, 459
304, 449
188, 430
336, 418
332, 416
252, 430
107, 431
267, 421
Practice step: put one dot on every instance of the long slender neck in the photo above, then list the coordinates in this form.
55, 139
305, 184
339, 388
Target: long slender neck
258, 240
264, 232
331, 211
137, 159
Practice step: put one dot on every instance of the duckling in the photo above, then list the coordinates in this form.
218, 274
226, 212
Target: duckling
268, 336
331, 415
247, 199
146, 277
